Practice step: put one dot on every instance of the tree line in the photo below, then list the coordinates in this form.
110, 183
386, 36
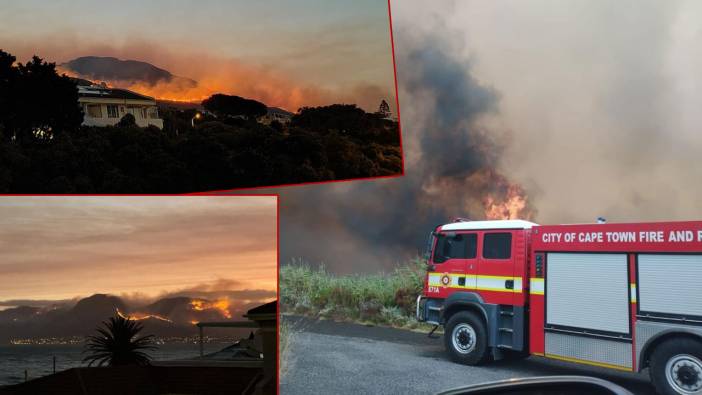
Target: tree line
44, 148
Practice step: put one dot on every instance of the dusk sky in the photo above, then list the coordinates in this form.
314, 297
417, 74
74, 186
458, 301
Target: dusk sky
288, 53
55, 248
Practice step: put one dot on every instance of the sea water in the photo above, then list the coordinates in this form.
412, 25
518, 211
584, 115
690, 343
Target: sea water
37, 360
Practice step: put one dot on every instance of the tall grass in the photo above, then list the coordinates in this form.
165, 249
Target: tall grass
286, 332
385, 298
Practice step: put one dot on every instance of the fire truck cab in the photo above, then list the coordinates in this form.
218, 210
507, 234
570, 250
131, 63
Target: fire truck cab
620, 296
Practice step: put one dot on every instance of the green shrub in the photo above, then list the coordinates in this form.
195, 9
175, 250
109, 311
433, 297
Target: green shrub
381, 298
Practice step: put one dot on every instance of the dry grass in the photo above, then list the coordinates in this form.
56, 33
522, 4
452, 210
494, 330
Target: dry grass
287, 333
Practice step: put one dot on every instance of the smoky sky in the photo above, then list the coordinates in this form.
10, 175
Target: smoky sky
599, 101
590, 107
61, 248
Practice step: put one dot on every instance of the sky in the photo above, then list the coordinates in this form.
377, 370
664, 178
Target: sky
313, 50
59, 248
585, 108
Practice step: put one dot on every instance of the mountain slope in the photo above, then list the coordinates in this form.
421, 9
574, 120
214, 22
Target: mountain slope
113, 69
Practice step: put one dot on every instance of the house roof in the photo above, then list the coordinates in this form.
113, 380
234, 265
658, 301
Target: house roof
276, 110
110, 93
268, 308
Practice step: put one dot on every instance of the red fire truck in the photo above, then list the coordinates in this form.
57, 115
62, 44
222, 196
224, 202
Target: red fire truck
623, 296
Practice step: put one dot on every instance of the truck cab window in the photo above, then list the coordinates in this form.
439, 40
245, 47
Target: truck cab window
497, 246
461, 246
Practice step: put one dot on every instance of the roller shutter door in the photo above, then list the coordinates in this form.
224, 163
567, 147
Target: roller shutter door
588, 291
670, 284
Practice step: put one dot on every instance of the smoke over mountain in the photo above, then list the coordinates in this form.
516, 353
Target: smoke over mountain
121, 72
452, 163
164, 316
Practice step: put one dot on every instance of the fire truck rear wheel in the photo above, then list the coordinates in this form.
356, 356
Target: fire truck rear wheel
465, 338
676, 367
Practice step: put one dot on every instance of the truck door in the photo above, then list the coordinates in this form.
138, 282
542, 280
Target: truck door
495, 277
454, 263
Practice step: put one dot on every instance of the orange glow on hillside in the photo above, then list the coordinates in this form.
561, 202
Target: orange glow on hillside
222, 305
140, 316
254, 84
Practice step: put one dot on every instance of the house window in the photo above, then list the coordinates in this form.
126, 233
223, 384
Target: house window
153, 113
143, 112
94, 110
112, 111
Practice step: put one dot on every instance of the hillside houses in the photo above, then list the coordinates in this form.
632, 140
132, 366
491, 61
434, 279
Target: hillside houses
104, 106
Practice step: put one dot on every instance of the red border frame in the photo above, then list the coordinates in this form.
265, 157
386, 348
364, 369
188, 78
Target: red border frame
277, 243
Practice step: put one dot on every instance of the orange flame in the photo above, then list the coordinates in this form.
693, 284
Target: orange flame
222, 305
141, 316
512, 206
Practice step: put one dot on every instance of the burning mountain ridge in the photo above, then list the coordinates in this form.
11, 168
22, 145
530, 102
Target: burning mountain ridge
141, 77
452, 163
207, 75
171, 316
113, 69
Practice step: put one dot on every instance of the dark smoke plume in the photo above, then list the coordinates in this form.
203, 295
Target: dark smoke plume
451, 164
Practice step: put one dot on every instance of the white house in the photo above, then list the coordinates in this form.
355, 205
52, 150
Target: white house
276, 114
104, 106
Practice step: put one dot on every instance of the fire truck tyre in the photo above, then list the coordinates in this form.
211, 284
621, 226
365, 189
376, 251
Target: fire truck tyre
465, 338
676, 367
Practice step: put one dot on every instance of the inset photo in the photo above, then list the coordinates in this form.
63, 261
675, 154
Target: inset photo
184, 97
138, 294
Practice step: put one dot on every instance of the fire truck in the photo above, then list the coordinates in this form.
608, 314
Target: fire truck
623, 296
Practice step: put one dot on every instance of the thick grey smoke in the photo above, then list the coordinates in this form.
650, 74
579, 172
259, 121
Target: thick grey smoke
451, 165
602, 98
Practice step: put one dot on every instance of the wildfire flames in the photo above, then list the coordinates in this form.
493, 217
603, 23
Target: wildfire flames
222, 305
140, 316
513, 205
269, 89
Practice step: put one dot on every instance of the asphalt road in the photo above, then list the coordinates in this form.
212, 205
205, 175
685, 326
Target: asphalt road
340, 358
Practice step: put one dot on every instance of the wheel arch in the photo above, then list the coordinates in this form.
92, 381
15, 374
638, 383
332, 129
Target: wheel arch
661, 337
464, 301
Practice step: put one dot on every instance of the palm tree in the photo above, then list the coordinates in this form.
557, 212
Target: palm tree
117, 344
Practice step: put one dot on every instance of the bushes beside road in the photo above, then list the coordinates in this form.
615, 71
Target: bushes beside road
384, 298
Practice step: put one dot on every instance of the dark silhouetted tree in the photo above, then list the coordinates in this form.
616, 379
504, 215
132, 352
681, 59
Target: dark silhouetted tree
384, 109
226, 105
127, 120
35, 100
117, 344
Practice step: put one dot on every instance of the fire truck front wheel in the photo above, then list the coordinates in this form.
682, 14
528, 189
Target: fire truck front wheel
676, 367
465, 338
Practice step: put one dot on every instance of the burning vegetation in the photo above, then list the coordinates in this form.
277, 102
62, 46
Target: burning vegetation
141, 316
221, 305
513, 205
